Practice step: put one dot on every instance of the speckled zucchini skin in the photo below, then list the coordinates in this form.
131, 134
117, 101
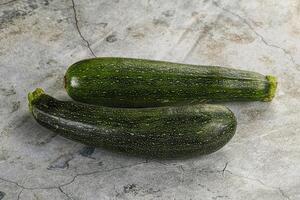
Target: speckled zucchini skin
127, 82
158, 132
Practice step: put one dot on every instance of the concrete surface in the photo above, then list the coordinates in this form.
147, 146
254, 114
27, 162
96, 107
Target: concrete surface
40, 38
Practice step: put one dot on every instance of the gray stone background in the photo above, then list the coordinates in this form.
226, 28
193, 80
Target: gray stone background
40, 38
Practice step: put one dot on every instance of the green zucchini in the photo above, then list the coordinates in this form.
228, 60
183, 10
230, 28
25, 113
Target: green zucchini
127, 82
159, 132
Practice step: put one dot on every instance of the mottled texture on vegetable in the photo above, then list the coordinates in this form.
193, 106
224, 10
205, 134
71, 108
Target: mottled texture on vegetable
127, 82
159, 132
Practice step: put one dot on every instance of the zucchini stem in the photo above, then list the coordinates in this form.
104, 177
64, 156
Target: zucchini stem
33, 96
272, 87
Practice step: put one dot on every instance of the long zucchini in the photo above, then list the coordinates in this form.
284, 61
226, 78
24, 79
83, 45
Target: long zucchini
127, 82
159, 132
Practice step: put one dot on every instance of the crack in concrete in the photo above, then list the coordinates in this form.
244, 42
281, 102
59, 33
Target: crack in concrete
181, 167
98, 171
282, 193
62, 191
12, 182
249, 178
59, 187
78, 29
182, 173
19, 195
286, 52
202, 35
223, 170
159, 162
8, 2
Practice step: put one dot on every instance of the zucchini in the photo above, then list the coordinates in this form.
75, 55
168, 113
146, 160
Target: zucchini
127, 82
159, 132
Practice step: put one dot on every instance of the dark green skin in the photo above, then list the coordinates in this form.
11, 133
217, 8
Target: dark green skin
163, 132
127, 82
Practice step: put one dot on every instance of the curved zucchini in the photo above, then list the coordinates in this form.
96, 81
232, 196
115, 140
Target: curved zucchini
158, 132
127, 82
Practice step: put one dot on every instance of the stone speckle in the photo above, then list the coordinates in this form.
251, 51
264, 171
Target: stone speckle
2, 194
7, 91
103, 24
61, 162
130, 188
9, 15
168, 13
15, 106
87, 151
160, 22
111, 38
263, 157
